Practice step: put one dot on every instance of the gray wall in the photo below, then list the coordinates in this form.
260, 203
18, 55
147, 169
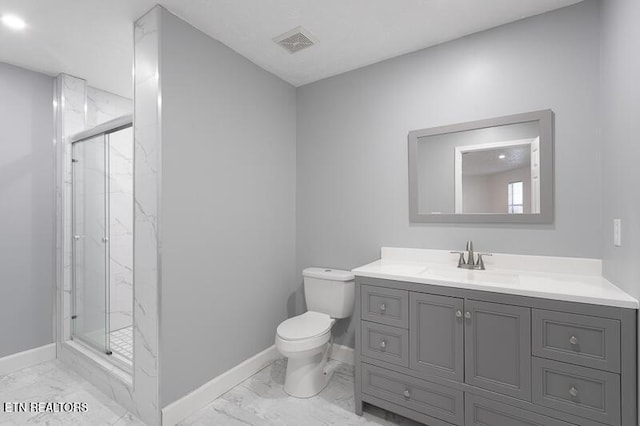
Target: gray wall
352, 141
26, 209
228, 207
620, 135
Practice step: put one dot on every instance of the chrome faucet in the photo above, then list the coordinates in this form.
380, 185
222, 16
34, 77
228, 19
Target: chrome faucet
470, 262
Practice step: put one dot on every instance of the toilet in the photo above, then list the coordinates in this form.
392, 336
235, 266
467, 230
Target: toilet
306, 339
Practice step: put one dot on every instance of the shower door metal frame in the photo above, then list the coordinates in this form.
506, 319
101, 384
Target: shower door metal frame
104, 130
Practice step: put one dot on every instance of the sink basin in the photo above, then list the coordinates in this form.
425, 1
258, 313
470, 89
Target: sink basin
469, 275
403, 269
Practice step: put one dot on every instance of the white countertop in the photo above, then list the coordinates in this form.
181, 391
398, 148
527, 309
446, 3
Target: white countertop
558, 278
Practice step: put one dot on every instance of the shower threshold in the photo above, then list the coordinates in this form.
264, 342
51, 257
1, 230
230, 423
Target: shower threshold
121, 346
116, 368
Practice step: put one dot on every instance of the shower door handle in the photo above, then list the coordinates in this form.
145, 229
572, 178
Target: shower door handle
105, 239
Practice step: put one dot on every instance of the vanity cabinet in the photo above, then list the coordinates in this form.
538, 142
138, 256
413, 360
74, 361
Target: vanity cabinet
443, 356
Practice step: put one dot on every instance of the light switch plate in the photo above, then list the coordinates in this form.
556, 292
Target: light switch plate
617, 230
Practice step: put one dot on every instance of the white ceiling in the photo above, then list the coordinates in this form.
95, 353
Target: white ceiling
92, 39
488, 162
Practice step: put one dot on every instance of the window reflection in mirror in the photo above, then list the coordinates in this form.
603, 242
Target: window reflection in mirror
515, 197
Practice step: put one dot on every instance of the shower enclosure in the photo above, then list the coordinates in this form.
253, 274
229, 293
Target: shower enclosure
102, 232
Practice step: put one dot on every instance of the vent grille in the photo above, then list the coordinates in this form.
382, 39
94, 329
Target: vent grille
295, 40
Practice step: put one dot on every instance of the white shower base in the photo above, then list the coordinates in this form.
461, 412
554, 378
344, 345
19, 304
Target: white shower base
122, 343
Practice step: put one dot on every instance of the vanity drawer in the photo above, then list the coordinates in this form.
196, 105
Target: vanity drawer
386, 343
385, 305
577, 339
481, 412
582, 391
424, 397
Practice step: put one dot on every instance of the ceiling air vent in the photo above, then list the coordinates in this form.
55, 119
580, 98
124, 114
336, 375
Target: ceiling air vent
296, 40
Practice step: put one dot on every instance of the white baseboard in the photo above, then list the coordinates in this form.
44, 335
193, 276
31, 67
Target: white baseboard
25, 359
343, 354
205, 394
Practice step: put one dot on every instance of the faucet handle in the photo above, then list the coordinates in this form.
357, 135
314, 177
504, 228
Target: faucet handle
461, 258
480, 261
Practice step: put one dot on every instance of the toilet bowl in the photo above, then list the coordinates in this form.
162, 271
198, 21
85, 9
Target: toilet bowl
305, 339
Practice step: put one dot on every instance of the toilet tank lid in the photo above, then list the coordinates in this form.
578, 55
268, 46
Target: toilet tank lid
328, 274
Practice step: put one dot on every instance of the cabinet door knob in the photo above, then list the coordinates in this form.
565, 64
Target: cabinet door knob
458, 313
383, 345
467, 315
406, 393
573, 391
383, 307
573, 340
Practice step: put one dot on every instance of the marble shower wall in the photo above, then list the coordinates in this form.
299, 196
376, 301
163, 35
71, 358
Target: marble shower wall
121, 228
104, 106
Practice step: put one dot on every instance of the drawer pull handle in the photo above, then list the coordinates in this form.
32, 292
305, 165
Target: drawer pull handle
573, 340
406, 393
458, 313
383, 307
573, 391
383, 345
467, 315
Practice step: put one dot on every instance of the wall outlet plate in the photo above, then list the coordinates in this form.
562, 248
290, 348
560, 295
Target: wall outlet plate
617, 231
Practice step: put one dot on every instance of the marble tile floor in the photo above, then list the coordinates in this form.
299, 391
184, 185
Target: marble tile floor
260, 400
55, 382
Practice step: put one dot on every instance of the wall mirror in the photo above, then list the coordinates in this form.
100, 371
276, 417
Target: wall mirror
498, 170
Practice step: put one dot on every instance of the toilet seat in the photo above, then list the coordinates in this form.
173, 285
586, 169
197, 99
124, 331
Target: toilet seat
306, 326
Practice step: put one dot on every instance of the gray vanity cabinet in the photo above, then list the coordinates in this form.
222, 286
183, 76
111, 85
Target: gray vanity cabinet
498, 348
449, 356
436, 335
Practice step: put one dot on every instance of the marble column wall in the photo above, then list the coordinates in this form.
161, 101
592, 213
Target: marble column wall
147, 162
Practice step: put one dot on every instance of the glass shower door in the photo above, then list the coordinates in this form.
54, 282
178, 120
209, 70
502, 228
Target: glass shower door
90, 243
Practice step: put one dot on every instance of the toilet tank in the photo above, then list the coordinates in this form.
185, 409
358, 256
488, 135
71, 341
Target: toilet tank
330, 291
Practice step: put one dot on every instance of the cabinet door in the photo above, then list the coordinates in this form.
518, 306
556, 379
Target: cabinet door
498, 348
437, 335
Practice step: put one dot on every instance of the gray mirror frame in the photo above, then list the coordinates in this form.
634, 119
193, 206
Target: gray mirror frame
544, 117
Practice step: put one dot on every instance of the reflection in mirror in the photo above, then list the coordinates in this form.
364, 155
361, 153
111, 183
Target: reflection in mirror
487, 171
501, 177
